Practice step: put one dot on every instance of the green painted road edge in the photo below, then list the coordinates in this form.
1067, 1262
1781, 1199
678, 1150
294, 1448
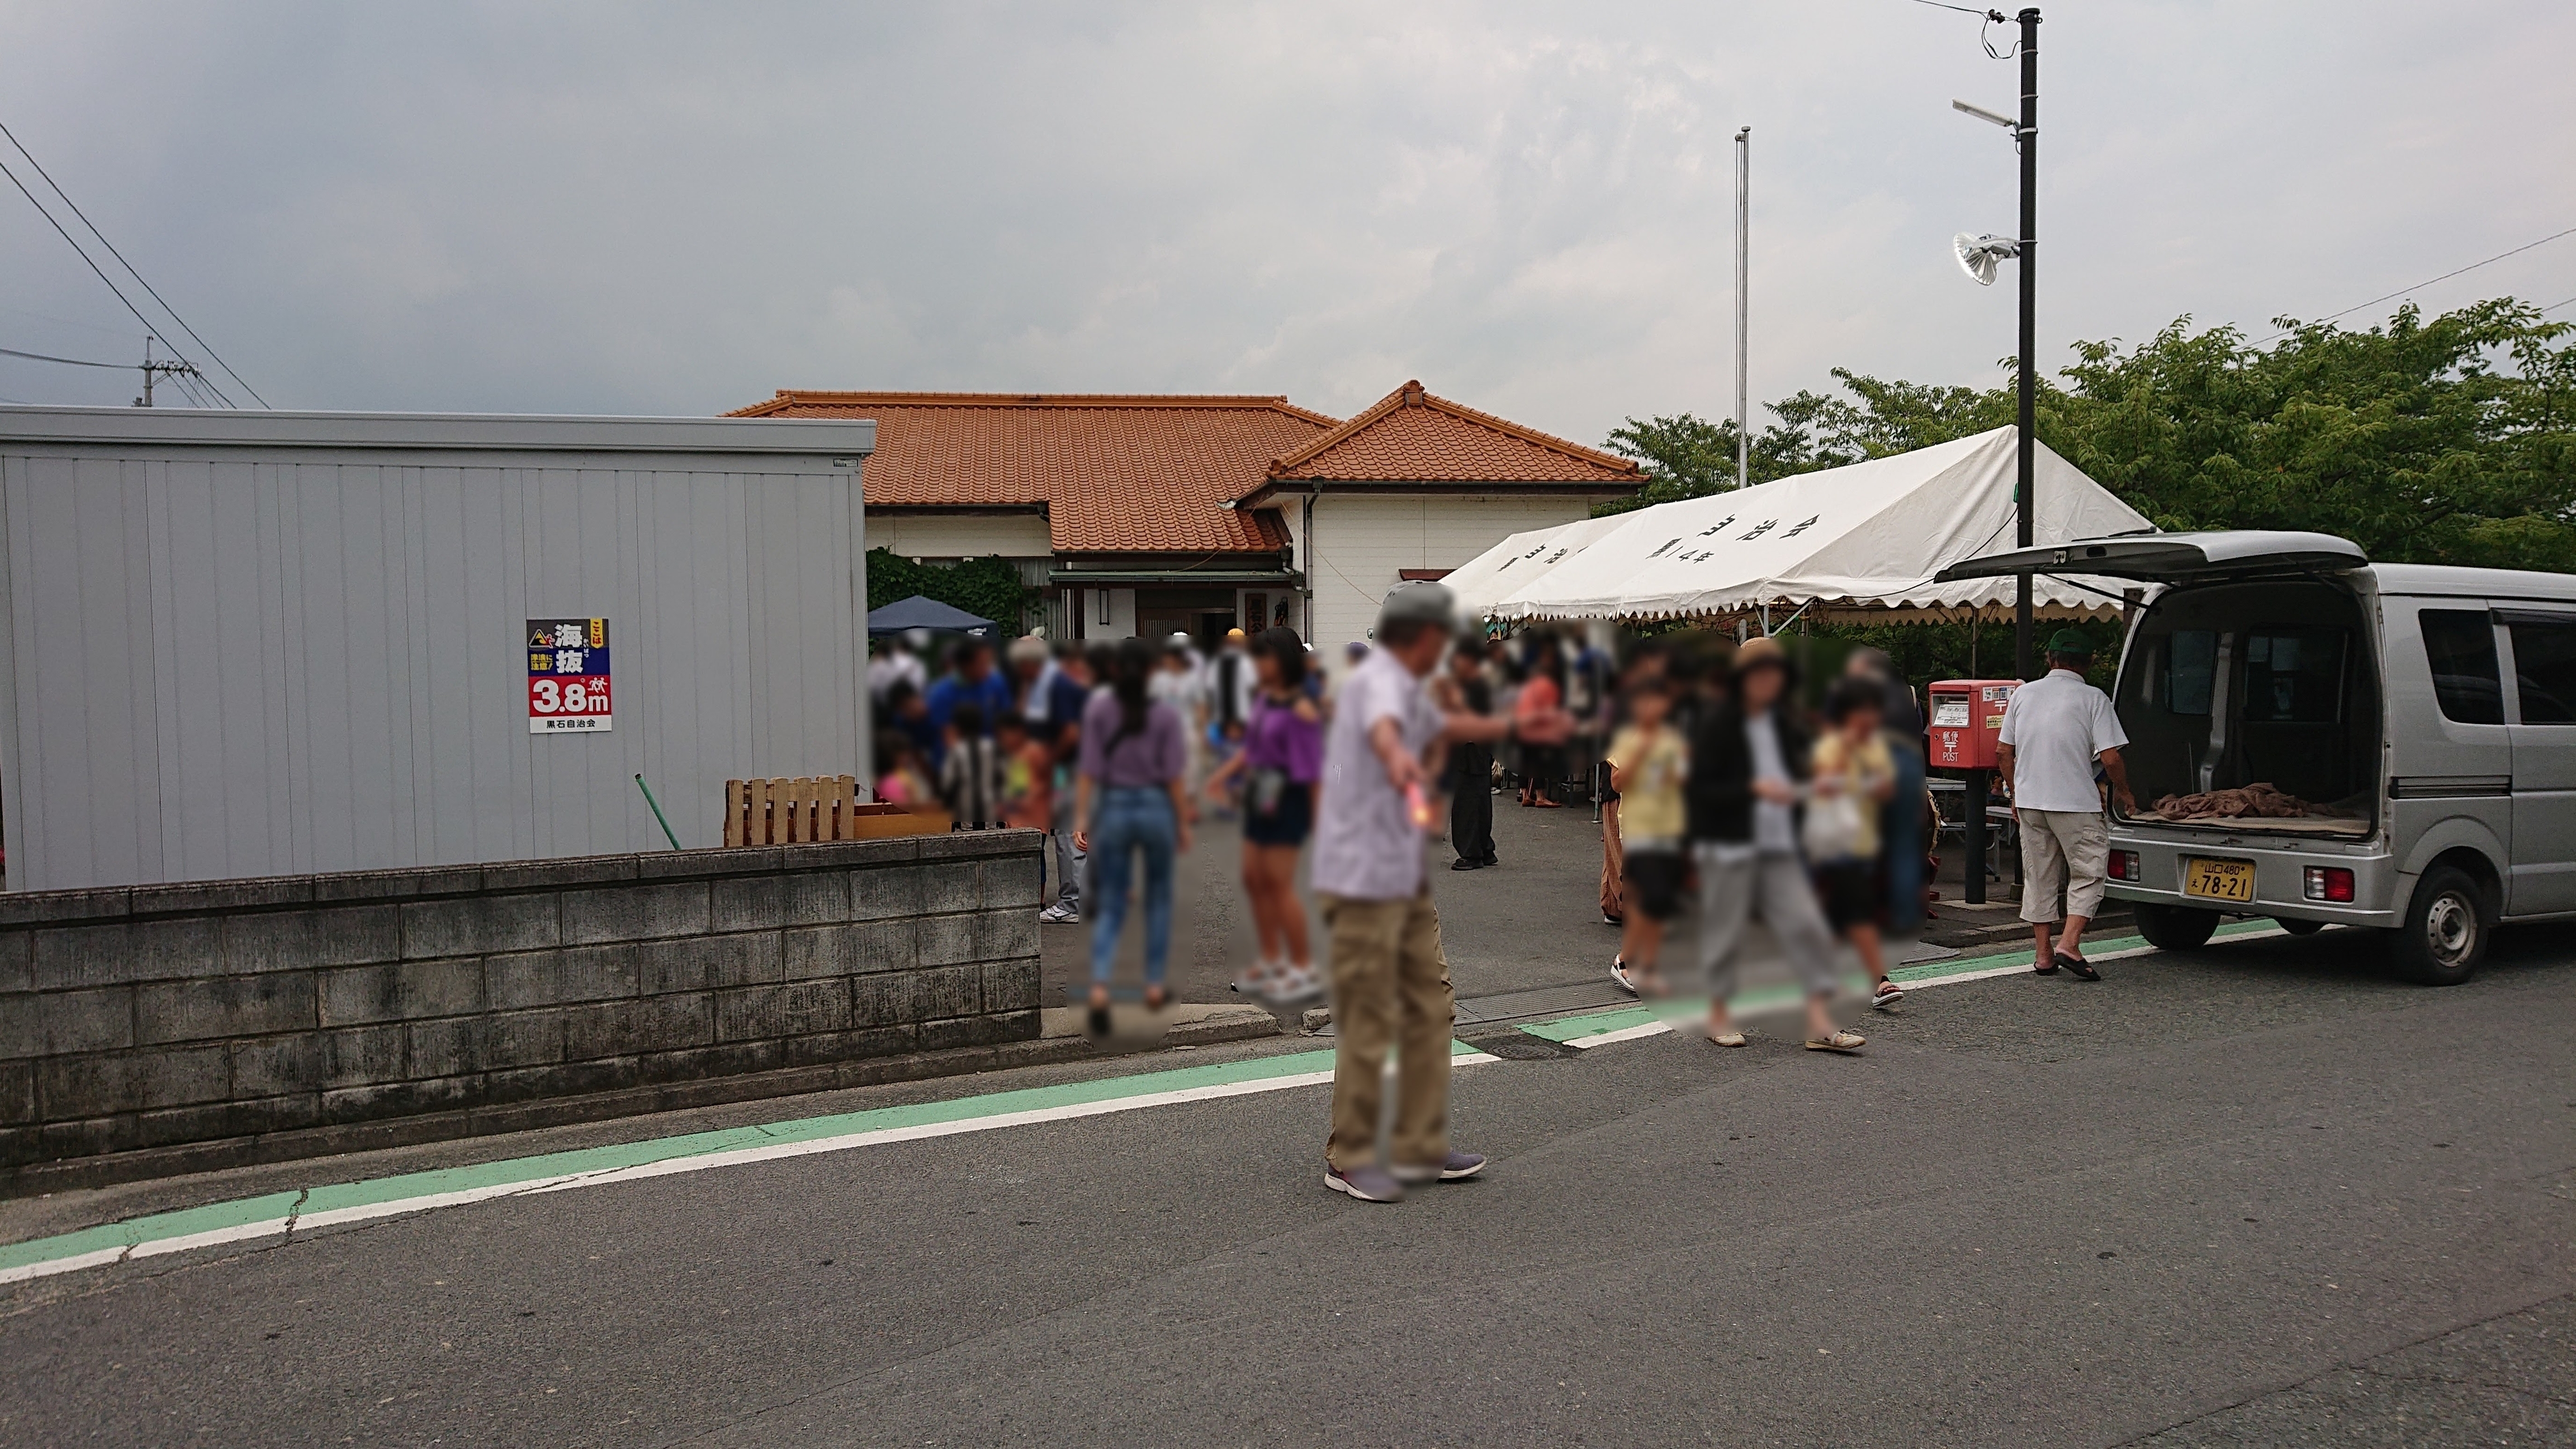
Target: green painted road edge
1580, 1025
479, 1180
495, 1178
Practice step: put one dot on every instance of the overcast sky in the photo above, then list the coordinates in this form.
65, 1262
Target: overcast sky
534, 207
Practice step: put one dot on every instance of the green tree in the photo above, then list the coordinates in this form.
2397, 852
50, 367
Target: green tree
2451, 440
988, 588
2448, 440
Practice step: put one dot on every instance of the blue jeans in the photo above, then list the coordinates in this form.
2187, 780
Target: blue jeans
1132, 818
1901, 834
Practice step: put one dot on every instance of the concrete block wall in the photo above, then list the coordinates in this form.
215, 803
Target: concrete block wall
140, 1018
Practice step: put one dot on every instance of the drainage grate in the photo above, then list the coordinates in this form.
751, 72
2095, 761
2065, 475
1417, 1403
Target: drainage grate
1518, 1046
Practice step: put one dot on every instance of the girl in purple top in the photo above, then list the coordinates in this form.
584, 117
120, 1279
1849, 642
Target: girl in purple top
1130, 794
1281, 759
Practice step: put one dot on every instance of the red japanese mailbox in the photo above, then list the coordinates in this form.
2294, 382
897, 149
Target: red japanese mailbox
1967, 721
1967, 715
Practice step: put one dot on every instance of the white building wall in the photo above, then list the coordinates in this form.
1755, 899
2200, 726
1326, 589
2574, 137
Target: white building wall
1106, 613
960, 535
1362, 541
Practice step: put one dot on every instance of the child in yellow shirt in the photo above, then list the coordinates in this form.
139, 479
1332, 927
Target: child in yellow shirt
1852, 764
1648, 764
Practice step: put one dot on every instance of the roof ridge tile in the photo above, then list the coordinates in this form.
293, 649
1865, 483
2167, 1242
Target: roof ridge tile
1414, 395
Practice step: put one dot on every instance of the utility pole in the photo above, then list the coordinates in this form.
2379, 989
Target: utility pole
2028, 140
1743, 272
153, 369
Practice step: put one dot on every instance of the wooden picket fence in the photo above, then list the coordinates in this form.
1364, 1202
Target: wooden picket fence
811, 808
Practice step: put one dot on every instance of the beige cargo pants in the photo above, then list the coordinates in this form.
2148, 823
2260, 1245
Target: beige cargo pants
1390, 983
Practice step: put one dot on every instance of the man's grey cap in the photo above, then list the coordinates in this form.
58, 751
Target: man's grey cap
1419, 600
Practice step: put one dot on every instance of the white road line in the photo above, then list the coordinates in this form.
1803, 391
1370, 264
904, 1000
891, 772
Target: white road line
1625, 1033
923, 1130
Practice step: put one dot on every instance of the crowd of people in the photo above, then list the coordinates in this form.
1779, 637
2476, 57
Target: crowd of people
1711, 781
1098, 745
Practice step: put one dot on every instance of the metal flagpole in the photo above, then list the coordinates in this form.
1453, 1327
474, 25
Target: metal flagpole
1743, 247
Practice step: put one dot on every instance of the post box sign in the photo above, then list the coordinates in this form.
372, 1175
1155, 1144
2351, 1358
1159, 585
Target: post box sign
567, 676
1967, 717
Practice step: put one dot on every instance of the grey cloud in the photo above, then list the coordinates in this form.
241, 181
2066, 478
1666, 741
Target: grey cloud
678, 209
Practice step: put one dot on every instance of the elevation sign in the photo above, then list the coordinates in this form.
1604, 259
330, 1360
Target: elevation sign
567, 675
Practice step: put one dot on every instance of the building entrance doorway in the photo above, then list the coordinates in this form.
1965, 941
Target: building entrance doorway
1203, 614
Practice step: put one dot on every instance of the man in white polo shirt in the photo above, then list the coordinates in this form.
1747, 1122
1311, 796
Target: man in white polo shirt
2055, 729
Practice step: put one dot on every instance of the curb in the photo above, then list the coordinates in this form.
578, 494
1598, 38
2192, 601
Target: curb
181, 1159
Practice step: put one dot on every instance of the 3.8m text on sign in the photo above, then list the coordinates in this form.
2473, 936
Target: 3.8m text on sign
568, 676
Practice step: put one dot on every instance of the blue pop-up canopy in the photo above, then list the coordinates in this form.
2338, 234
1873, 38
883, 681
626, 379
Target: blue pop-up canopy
923, 612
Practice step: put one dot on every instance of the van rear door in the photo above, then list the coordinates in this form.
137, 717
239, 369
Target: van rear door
2172, 558
2539, 650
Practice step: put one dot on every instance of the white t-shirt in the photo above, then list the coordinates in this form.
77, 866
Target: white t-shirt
892, 667
2057, 727
1183, 690
1366, 844
1230, 682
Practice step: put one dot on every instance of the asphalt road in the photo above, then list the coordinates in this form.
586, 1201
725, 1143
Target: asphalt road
2256, 1194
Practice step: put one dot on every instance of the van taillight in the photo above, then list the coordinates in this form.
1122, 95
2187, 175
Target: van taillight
2124, 866
2328, 883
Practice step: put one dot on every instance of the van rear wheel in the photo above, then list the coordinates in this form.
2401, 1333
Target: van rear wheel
2444, 936
2175, 928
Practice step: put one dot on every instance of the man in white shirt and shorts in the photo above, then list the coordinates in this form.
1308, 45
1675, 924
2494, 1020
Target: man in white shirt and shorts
2055, 729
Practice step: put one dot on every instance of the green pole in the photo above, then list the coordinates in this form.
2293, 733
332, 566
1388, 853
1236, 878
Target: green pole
657, 812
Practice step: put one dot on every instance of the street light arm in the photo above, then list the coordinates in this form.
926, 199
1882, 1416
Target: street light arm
1982, 114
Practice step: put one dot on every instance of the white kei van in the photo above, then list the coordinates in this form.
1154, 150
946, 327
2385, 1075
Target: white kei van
2425, 715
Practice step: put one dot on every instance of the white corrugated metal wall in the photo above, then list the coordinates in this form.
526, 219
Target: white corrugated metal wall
1361, 542
225, 662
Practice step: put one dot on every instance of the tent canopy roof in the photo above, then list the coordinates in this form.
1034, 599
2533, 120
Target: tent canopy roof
924, 612
1867, 540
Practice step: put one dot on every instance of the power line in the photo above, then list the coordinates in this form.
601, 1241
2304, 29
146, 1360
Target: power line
66, 361
1985, 32
86, 257
2419, 286
138, 276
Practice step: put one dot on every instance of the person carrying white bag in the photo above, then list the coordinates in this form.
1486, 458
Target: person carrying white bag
1748, 760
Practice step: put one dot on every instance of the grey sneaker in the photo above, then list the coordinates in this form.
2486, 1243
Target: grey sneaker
1060, 914
1368, 1184
1457, 1167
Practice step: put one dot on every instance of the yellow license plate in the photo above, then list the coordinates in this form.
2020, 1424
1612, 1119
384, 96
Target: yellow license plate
2218, 880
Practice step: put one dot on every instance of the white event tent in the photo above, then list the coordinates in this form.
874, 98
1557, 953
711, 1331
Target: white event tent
1859, 544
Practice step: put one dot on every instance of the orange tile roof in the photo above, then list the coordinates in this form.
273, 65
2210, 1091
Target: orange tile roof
1412, 436
1122, 474
1153, 473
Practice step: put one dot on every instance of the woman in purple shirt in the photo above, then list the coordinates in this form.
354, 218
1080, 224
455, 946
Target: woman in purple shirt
1130, 794
1281, 759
